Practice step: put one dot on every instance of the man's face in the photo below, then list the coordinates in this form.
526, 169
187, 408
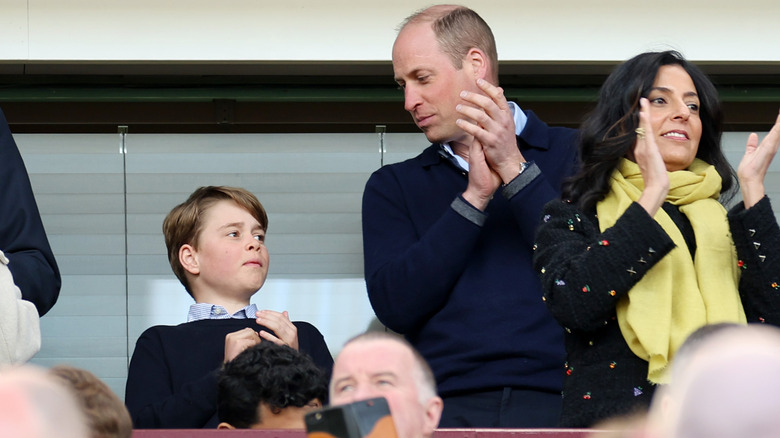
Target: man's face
384, 368
431, 84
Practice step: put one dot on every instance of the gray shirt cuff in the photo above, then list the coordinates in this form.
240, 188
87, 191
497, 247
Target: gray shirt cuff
521, 180
468, 211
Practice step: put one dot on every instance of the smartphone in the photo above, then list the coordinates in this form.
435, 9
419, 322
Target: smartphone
366, 418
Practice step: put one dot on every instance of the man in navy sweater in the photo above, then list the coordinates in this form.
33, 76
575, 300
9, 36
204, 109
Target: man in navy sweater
448, 235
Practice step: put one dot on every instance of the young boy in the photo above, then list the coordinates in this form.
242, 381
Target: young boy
269, 386
216, 248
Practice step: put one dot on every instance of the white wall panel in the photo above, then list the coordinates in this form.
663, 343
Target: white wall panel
351, 30
96, 264
104, 223
13, 30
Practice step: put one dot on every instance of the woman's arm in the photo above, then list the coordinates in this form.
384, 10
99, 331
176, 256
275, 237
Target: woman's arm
757, 238
755, 163
584, 272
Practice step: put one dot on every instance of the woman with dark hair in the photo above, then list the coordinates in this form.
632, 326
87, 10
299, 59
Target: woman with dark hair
640, 252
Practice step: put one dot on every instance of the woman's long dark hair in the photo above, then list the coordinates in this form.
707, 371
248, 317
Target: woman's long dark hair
607, 134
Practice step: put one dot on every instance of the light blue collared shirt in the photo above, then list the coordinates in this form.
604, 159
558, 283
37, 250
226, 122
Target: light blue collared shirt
200, 311
520, 120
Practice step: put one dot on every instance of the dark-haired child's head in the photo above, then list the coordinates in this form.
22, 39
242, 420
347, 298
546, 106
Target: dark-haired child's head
269, 386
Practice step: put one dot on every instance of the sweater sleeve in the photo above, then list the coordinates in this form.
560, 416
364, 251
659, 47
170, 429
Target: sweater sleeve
553, 156
527, 195
757, 239
313, 343
583, 271
149, 396
410, 273
22, 236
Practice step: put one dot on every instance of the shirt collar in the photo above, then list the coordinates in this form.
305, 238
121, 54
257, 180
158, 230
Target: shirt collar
199, 311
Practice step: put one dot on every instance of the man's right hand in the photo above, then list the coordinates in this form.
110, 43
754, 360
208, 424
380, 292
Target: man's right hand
238, 341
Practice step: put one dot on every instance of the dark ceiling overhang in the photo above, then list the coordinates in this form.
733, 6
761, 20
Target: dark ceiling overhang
311, 96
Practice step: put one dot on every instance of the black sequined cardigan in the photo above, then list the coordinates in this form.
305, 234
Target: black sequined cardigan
584, 272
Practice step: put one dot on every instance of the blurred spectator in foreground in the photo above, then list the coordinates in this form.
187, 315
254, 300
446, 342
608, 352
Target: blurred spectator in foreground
378, 364
728, 387
35, 405
106, 413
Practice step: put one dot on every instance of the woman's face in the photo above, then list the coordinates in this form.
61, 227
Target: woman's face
674, 116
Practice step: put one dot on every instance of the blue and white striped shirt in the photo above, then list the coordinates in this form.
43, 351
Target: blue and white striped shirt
200, 311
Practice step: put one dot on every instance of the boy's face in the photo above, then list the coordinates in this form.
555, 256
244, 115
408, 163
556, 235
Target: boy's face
231, 260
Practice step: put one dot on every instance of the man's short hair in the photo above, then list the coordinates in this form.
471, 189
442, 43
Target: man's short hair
275, 375
184, 223
458, 29
106, 413
426, 382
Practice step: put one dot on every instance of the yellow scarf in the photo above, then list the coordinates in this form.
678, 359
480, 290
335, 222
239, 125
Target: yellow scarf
677, 295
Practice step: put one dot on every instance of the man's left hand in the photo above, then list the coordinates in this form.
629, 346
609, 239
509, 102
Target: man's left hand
490, 121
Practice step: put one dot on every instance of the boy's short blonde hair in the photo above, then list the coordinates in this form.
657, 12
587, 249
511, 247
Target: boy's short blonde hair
184, 223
